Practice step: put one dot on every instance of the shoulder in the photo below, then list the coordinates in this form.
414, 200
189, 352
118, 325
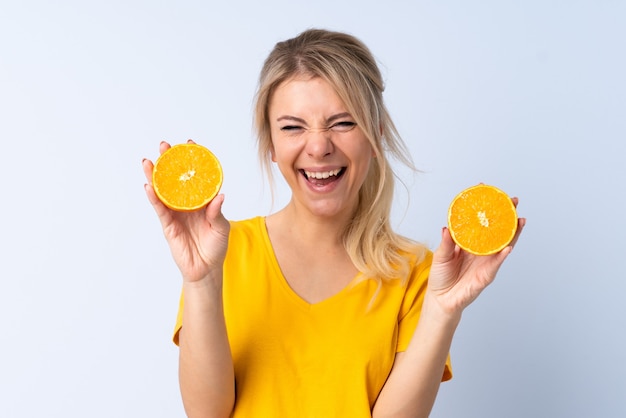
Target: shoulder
422, 260
247, 227
246, 223
419, 261
247, 235
416, 280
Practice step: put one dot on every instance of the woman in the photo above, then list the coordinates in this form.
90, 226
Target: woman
313, 310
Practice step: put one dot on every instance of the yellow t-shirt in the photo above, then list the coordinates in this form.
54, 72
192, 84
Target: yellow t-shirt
297, 359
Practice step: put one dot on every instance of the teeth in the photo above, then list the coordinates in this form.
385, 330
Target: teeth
321, 174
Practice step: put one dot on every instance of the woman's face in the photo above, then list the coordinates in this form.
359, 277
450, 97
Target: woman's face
322, 153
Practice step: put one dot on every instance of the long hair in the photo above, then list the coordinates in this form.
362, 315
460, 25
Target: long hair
348, 65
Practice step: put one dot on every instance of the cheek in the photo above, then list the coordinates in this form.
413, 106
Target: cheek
282, 157
366, 158
285, 149
365, 153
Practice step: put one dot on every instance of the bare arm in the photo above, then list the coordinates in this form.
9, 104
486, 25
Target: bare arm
198, 241
456, 279
414, 381
206, 374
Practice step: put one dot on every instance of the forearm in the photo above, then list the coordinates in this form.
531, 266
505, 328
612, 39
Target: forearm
205, 365
414, 381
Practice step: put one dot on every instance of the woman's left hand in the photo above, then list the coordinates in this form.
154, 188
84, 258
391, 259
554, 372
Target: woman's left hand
458, 277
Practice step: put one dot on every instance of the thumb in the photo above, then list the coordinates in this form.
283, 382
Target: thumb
447, 248
214, 214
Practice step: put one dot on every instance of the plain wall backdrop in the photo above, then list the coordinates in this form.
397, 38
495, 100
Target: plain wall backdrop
527, 95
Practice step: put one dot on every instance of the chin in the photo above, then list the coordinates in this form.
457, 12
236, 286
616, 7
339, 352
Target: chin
328, 209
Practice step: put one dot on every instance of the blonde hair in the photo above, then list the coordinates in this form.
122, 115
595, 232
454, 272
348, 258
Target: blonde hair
348, 65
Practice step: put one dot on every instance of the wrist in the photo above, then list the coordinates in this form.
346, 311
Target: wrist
433, 309
210, 282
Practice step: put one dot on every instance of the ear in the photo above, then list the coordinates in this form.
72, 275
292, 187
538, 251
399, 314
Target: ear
273, 154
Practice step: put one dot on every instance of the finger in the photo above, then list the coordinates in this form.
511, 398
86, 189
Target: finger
191, 141
154, 200
521, 223
164, 146
163, 212
515, 201
501, 256
152, 197
147, 166
159, 207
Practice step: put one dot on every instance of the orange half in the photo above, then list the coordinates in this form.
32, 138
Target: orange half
187, 177
482, 220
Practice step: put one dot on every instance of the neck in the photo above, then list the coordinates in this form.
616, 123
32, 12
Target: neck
306, 227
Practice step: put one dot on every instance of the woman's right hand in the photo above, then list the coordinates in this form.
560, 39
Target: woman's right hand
198, 240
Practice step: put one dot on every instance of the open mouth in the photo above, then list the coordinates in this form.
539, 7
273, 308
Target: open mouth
320, 178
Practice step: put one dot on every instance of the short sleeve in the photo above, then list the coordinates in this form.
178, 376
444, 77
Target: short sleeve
412, 306
179, 319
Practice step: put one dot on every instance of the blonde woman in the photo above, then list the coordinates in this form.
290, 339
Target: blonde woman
319, 309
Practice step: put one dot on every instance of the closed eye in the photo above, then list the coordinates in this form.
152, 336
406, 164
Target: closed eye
291, 128
343, 126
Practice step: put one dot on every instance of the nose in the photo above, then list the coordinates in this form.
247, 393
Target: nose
319, 143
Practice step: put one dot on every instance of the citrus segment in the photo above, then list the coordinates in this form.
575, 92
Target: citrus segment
186, 177
482, 219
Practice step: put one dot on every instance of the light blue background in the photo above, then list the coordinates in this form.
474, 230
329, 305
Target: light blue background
527, 95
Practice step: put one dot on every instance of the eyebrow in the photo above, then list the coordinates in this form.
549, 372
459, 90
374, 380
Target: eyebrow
302, 121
